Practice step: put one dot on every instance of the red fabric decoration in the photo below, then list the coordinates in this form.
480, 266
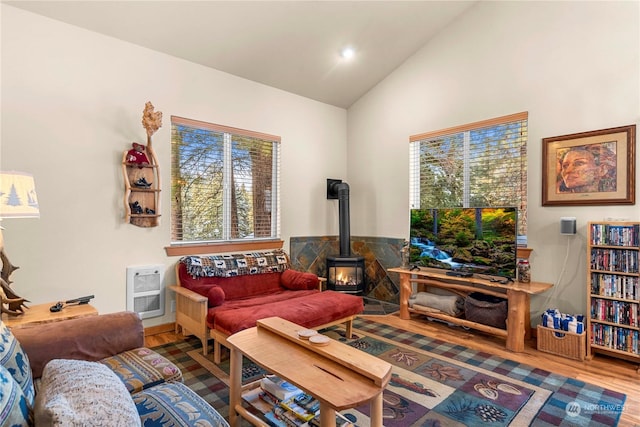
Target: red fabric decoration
137, 155
298, 280
216, 296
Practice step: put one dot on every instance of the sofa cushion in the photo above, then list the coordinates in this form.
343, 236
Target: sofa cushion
15, 360
298, 280
142, 368
306, 308
233, 287
215, 296
174, 404
14, 409
82, 393
265, 300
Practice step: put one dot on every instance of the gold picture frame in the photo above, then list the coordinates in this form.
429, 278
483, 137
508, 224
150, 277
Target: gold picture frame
589, 168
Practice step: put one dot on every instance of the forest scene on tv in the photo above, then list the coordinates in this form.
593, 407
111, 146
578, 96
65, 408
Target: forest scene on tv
479, 240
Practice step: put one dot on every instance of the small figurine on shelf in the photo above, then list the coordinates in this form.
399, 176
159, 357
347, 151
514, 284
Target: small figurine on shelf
137, 155
405, 253
135, 207
142, 183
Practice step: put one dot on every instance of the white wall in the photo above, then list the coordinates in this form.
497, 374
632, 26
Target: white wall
574, 66
72, 102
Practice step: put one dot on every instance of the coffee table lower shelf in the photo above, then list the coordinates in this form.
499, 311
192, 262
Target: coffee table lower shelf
260, 409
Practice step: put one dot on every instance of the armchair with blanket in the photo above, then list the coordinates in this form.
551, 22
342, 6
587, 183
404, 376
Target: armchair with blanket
93, 371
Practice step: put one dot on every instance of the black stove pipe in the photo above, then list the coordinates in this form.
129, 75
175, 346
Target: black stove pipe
343, 216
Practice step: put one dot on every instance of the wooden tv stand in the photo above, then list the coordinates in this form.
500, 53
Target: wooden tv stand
517, 294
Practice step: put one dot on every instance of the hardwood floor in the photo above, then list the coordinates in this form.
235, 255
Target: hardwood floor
612, 373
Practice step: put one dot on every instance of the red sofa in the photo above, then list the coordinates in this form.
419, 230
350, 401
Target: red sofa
218, 302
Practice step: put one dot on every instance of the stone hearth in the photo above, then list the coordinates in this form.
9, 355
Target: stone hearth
380, 253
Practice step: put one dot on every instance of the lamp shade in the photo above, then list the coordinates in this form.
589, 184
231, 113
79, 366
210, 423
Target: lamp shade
18, 197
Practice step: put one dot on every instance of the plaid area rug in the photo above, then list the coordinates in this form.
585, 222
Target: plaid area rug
435, 383
195, 376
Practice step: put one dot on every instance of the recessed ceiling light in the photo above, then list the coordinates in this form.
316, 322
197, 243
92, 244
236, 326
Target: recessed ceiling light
347, 52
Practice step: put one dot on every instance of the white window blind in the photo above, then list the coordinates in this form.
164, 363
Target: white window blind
481, 164
224, 183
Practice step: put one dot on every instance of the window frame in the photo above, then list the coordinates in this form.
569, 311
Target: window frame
178, 248
464, 130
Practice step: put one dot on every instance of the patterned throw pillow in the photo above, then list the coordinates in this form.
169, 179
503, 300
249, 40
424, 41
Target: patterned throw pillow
15, 360
14, 409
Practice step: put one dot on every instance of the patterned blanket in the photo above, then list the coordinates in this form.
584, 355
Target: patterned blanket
237, 264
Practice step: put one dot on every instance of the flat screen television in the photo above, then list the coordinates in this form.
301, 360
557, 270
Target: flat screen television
476, 240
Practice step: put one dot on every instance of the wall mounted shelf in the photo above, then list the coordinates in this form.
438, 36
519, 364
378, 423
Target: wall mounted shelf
142, 205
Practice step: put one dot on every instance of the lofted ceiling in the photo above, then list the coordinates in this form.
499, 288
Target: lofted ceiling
290, 45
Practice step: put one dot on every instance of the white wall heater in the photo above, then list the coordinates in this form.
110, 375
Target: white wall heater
145, 294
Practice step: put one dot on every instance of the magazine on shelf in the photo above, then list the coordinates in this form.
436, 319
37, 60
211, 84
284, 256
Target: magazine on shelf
278, 387
297, 410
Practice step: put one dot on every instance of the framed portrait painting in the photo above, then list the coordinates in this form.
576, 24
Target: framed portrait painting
589, 168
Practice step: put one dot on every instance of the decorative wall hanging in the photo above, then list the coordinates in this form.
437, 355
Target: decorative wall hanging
589, 168
141, 173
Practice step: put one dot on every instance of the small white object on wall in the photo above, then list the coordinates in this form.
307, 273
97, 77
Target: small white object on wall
568, 225
145, 294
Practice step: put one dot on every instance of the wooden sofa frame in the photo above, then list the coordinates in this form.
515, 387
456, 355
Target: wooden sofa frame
191, 318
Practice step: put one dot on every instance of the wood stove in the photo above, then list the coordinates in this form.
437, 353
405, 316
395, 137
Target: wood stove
345, 273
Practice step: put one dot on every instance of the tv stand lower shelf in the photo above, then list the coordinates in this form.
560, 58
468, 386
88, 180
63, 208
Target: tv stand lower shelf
517, 295
462, 322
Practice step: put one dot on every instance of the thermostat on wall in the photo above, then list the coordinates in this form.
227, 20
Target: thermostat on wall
568, 225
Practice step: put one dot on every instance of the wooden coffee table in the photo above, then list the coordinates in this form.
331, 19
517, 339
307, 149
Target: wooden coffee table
339, 376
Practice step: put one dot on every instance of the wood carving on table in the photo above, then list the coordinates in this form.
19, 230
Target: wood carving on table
11, 304
142, 176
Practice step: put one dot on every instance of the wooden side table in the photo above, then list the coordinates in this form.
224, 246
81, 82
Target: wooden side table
40, 313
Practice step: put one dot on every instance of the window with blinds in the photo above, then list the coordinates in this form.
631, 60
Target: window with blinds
224, 183
482, 164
